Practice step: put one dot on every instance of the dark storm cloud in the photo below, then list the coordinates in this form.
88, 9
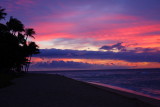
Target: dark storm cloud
137, 55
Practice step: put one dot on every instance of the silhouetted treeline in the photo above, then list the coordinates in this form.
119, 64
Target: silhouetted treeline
15, 49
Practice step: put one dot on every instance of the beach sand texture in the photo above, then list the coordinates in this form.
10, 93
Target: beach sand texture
46, 90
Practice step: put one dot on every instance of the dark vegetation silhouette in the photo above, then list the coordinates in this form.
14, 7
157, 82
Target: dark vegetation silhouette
15, 48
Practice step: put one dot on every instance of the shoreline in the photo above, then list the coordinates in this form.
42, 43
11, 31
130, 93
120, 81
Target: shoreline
114, 88
52, 90
123, 92
128, 93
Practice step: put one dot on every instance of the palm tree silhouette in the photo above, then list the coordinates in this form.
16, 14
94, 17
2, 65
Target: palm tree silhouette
2, 13
16, 51
29, 32
32, 49
3, 28
15, 25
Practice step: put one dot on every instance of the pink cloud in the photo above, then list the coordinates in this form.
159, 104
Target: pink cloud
135, 34
47, 29
53, 36
68, 24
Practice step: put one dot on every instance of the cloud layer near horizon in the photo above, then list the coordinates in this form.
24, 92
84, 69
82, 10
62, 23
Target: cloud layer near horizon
58, 59
137, 55
71, 65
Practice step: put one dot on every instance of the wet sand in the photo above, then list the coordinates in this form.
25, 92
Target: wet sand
46, 90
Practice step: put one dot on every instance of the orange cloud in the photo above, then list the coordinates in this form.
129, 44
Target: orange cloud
102, 62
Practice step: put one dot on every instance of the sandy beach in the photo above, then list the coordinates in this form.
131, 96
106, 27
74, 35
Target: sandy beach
46, 90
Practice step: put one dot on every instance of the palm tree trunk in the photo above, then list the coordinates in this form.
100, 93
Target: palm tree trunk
28, 63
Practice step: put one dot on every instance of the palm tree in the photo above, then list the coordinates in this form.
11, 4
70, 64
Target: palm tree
16, 51
9, 46
3, 28
32, 48
29, 32
15, 25
2, 13
21, 39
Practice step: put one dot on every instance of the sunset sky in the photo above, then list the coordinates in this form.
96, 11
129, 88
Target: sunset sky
91, 34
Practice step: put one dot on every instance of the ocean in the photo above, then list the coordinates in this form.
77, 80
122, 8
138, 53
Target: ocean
145, 81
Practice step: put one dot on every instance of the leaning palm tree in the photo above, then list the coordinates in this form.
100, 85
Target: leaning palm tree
29, 32
2, 13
